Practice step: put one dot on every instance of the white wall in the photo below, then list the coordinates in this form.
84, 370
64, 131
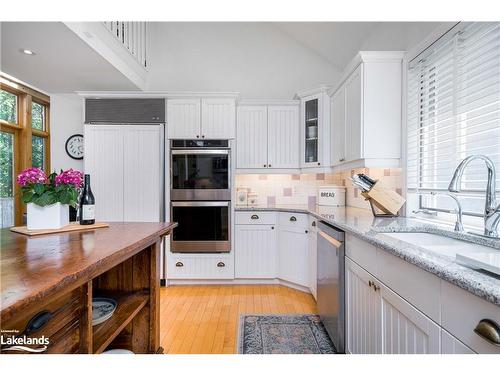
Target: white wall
256, 59
66, 119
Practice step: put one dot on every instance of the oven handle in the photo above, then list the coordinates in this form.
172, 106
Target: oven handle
200, 152
200, 204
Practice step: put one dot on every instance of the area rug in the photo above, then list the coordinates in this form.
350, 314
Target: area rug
283, 334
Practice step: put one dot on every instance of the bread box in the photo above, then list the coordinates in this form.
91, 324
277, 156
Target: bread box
331, 196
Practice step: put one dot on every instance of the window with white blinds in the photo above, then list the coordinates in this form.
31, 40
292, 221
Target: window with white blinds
454, 112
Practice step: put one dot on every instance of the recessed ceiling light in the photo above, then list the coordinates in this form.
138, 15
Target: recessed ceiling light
28, 52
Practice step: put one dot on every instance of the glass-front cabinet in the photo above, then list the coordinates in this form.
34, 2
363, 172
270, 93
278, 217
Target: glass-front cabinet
315, 128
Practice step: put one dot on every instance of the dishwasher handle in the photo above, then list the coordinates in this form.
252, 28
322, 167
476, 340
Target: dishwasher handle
334, 242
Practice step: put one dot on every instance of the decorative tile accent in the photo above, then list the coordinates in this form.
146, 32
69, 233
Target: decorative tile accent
298, 189
311, 200
271, 201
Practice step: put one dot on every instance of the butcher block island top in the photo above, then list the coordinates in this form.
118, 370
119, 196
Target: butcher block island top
60, 273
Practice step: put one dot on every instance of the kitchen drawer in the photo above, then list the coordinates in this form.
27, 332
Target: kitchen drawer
255, 217
66, 310
294, 220
461, 311
361, 252
200, 266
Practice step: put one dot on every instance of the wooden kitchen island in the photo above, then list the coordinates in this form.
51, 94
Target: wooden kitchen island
61, 273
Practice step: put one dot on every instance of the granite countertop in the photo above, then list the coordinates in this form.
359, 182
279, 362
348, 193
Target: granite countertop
362, 224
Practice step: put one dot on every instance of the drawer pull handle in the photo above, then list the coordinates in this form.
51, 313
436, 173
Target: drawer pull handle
370, 284
254, 217
38, 321
221, 264
488, 330
179, 264
313, 224
293, 218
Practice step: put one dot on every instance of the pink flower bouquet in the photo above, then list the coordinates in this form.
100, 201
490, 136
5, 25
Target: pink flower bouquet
43, 190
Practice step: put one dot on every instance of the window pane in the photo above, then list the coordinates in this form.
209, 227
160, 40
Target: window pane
38, 155
6, 179
8, 107
37, 116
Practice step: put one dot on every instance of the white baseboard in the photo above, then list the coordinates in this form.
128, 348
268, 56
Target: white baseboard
239, 282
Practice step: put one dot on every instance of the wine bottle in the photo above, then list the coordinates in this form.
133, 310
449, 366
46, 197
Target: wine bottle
87, 204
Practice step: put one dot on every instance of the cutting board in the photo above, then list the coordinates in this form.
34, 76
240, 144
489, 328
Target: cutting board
71, 227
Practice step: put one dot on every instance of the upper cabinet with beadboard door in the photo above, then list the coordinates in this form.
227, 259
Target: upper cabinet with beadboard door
251, 138
218, 118
267, 137
283, 136
353, 125
369, 129
184, 118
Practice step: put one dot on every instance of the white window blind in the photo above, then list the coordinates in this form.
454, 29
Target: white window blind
454, 112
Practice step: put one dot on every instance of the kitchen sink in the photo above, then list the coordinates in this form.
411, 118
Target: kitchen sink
440, 244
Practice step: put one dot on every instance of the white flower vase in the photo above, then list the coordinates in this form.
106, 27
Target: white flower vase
54, 216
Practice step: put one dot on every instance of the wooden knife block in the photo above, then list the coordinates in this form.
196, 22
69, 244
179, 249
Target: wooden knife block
385, 199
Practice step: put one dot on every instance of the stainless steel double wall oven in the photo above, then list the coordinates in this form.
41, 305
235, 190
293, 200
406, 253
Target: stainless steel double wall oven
200, 195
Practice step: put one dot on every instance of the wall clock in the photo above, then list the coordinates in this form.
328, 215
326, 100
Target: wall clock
74, 146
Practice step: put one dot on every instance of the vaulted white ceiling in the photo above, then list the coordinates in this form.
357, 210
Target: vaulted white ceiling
63, 62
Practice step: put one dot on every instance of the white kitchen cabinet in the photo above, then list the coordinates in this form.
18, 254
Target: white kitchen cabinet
362, 313
218, 118
338, 126
315, 128
283, 137
404, 329
256, 253
452, 345
183, 118
313, 256
251, 139
353, 97
366, 112
381, 322
293, 254
205, 118
104, 162
115, 156
142, 186
267, 137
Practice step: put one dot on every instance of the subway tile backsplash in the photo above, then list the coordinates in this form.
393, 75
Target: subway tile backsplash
277, 189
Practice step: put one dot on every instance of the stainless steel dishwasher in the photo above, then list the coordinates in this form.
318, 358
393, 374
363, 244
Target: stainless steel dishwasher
330, 297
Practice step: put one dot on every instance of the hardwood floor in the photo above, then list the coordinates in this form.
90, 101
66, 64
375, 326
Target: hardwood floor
203, 319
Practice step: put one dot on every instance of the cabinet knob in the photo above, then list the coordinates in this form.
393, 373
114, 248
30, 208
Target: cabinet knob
254, 217
203, 136
307, 231
341, 159
179, 264
488, 330
293, 218
319, 163
221, 264
272, 228
197, 136
313, 224
265, 165
269, 166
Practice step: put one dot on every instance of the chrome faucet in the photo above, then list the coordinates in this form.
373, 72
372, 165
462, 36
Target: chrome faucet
459, 227
491, 209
